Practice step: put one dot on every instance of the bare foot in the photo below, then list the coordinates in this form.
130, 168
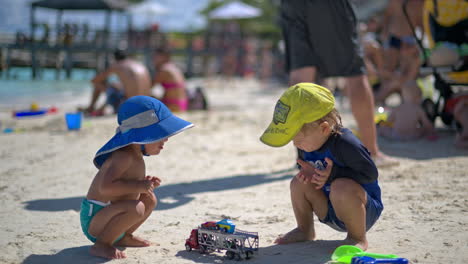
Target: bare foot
132, 241
383, 161
293, 236
362, 244
106, 251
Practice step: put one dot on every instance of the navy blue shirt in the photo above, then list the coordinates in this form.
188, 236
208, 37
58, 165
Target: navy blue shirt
350, 160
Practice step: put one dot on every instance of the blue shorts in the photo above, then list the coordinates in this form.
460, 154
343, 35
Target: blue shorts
373, 211
89, 209
115, 97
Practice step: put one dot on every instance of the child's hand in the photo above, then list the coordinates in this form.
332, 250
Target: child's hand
155, 180
306, 173
147, 185
320, 177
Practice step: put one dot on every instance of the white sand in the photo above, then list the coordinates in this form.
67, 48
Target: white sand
219, 169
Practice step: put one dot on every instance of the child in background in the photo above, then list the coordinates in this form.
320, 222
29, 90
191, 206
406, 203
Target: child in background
172, 80
338, 179
121, 196
408, 121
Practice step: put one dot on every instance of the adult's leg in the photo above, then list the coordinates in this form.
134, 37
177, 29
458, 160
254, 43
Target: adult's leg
392, 56
362, 106
375, 53
306, 200
410, 63
305, 74
388, 87
349, 201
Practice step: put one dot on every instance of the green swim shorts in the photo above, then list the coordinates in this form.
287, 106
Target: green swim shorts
89, 209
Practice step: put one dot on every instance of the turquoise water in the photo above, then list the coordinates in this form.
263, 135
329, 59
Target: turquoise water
20, 90
25, 73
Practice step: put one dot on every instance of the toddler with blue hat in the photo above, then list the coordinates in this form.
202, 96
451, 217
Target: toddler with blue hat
121, 195
337, 180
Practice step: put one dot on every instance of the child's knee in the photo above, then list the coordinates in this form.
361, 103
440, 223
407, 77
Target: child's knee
296, 185
151, 202
342, 189
139, 209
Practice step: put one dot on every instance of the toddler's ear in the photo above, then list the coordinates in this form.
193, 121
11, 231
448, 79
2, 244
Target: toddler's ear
325, 127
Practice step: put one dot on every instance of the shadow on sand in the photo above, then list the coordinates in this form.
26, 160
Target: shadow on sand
424, 149
179, 193
75, 255
313, 252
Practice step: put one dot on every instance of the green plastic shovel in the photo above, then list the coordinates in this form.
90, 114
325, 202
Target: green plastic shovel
344, 254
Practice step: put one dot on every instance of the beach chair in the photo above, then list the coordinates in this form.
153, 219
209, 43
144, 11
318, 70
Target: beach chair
446, 28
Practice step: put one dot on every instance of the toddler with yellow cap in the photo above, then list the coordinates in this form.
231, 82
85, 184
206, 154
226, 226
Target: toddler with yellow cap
337, 180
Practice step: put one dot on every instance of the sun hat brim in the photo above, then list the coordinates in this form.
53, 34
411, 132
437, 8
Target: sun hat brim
150, 134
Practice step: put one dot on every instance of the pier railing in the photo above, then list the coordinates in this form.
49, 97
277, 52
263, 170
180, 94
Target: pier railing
198, 54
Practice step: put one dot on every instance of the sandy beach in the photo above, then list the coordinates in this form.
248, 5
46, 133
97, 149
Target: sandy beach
220, 169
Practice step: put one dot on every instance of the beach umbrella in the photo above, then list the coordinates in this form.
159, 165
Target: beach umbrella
235, 10
148, 10
151, 8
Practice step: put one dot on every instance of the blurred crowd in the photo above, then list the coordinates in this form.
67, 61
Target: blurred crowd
399, 43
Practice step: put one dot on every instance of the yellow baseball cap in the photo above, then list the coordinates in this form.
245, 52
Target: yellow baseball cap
300, 104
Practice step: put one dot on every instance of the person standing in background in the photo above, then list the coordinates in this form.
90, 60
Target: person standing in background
321, 39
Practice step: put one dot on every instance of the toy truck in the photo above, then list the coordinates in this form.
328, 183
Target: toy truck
226, 225
238, 244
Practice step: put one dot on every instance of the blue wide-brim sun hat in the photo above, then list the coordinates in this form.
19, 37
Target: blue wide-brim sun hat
142, 120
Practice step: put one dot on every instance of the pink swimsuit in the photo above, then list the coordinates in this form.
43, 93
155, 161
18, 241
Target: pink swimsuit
181, 103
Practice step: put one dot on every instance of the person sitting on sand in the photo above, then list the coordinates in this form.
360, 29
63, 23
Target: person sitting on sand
401, 51
172, 80
121, 197
338, 178
134, 80
408, 121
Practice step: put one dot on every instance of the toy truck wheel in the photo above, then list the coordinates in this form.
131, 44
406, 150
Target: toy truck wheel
229, 254
202, 249
187, 247
225, 230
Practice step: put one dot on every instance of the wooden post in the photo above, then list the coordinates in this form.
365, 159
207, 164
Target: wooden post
68, 62
58, 25
58, 63
32, 43
189, 53
107, 37
148, 55
206, 53
8, 62
129, 31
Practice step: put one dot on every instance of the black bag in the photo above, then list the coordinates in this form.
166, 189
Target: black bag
197, 100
